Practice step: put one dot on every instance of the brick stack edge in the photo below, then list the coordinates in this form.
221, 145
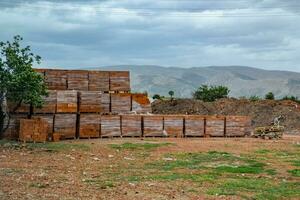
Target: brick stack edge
93, 104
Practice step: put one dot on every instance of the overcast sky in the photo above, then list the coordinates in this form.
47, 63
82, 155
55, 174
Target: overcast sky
183, 33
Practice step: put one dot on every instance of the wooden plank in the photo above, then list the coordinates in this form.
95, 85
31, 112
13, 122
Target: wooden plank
78, 80
153, 125
238, 126
194, 125
90, 102
173, 125
65, 125
47, 118
120, 103
105, 103
98, 81
49, 106
119, 81
141, 104
110, 126
131, 125
89, 126
56, 79
66, 101
215, 126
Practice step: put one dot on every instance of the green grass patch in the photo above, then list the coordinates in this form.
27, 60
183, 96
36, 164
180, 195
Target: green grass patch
58, 146
252, 168
48, 146
218, 162
138, 146
295, 172
295, 163
99, 183
256, 188
262, 151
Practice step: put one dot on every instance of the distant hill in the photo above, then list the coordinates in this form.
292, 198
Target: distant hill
242, 81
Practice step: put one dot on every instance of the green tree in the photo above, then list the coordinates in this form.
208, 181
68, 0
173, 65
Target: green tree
292, 98
171, 93
270, 96
156, 96
211, 93
19, 83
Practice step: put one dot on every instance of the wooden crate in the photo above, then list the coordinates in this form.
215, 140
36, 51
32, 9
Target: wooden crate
12, 132
120, 103
238, 126
131, 125
50, 121
105, 103
33, 130
119, 81
215, 126
65, 125
110, 126
49, 104
56, 79
90, 102
98, 81
194, 125
78, 80
140, 104
66, 101
89, 126
153, 125
173, 125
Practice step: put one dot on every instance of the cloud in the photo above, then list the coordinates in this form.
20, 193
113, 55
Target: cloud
186, 33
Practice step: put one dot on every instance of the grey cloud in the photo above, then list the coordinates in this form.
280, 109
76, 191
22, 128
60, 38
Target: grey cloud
97, 33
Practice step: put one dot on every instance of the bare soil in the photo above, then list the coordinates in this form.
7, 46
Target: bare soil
93, 169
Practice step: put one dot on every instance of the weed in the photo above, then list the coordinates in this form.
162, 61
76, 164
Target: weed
138, 146
38, 185
295, 172
60, 146
263, 151
99, 183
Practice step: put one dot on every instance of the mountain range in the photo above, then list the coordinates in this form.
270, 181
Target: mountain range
242, 81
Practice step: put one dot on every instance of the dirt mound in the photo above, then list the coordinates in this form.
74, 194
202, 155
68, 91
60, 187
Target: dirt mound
262, 112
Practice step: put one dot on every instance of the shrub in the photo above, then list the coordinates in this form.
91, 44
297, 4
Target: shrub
270, 96
211, 93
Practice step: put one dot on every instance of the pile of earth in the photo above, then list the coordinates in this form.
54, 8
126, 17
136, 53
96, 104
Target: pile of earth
262, 111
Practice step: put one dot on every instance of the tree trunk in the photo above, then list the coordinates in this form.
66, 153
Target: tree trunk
2, 115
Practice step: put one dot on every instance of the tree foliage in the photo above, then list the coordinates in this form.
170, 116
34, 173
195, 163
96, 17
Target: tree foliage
211, 93
19, 83
156, 96
171, 93
270, 96
292, 98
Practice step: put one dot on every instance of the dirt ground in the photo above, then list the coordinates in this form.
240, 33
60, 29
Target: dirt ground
152, 168
262, 111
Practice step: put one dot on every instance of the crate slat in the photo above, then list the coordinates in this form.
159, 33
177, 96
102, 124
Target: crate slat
65, 125
194, 125
110, 126
131, 125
